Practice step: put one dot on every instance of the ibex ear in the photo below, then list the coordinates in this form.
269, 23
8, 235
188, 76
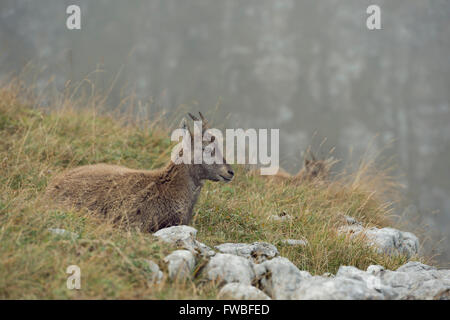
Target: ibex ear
193, 117
306, 162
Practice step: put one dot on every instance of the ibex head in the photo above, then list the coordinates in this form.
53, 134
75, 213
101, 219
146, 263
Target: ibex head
315, 168
208, 171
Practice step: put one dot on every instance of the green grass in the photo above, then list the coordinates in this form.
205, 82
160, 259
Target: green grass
37, 144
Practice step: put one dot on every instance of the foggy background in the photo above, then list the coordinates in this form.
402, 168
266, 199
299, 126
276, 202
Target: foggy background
310, 68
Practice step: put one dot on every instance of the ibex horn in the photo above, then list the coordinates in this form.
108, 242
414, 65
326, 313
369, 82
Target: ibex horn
205, 122
193, 117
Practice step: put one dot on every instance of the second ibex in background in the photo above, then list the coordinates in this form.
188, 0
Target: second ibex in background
142, 199
312, 170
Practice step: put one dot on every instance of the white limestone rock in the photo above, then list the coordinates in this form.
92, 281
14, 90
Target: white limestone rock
184, 237
413, 280
156, 274
283, 217
257, 251
371, 281
430, 290
338, 288
203, 250
295, 242
279, 277
241, 291
63, 233
388, 240
180, 264
417, 281
415, 266
230, 268
375, 269
351, 220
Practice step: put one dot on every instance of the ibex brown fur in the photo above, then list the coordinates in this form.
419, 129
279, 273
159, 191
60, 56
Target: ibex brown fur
146, 200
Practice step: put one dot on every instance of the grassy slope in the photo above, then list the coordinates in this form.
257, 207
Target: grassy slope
34, 145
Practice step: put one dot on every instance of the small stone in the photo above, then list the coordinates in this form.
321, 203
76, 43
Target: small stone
352, 230
156, 274
393, 241
257, 251
279, 277
386, 240
181, 263
240, 291
281, 217
295, 242
183, 236
409, 244
230, 268
351, 220
64, 233
319, 288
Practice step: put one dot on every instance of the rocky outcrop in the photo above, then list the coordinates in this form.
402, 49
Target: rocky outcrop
256, 271
415, 280
283, 216
386, 240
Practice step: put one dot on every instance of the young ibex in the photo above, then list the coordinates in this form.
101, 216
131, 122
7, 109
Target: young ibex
143, 200
312, 170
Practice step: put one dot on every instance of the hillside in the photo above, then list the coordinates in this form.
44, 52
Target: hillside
37, 143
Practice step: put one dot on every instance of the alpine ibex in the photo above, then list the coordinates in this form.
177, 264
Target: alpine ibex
141, 199
312, 169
